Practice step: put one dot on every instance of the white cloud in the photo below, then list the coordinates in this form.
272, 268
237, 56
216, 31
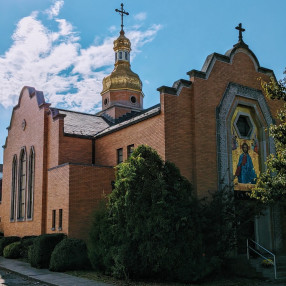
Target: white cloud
112, 29
54, 10
140, 16
54, 61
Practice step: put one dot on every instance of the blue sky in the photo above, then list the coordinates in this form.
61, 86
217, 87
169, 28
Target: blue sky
64, 47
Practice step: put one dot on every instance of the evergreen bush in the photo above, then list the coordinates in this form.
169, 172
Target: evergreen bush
151, 227
4, 241
42, 248
69, 254
12, 250
26, 242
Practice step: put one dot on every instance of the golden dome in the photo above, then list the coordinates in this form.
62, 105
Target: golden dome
122, 43
122, 77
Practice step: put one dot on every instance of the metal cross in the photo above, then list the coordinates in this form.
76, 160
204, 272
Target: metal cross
122, 12
240, 29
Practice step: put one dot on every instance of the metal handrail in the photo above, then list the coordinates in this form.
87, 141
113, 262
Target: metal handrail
254, 250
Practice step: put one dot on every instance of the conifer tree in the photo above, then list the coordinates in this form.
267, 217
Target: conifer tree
271, 185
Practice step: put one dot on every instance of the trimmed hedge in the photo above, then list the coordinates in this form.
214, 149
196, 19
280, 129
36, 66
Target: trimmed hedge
26, 241
41, 249
69, 254
12, 250
4, 241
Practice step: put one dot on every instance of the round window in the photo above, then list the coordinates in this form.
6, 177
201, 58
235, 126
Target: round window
105, 101
133, 99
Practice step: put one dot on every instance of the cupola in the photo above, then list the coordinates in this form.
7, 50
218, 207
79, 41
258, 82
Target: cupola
122, 89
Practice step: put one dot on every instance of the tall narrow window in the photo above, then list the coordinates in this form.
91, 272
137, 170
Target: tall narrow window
130, 150
22, 184
60, 219
119, 155
31, 175
13, 188
54, 220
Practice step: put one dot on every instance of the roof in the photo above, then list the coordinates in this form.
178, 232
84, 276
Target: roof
82, 124
145, 114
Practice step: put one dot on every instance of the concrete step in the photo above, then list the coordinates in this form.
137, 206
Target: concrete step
269, 272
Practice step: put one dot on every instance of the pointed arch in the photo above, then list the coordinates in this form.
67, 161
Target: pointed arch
13, 188
22, 182
31, 181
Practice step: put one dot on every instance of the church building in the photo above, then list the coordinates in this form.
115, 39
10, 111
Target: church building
58, 164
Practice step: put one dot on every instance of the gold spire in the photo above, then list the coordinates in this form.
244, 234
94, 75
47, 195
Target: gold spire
122, 77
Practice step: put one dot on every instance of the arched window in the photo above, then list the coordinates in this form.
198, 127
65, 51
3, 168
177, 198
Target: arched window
31, 179
13, 188
22, 184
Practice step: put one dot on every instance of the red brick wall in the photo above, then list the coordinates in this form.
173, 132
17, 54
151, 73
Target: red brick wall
150, 132
58, 197
76, 189
88, 185
207, 96
75, 150
33, 135
179, 131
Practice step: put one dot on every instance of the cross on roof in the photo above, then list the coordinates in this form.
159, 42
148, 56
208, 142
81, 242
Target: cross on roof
240, 29
122, 12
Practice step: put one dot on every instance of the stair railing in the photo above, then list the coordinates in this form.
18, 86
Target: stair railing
248, 248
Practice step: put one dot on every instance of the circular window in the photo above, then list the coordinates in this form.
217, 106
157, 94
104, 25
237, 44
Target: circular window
133, 99
105, 101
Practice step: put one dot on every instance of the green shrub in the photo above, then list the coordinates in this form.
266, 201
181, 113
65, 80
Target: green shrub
42, 248
12, 250
4, 241
26, 242
151, 228
69, 254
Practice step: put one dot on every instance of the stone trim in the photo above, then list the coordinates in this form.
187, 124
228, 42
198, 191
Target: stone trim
223, 129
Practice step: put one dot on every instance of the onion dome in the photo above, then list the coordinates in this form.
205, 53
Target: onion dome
122, 77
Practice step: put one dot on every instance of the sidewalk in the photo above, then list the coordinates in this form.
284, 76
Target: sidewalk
46, 276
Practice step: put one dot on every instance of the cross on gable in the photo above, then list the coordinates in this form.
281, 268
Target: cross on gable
240, 29
122, 12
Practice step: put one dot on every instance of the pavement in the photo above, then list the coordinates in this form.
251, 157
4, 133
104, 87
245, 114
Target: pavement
46, 276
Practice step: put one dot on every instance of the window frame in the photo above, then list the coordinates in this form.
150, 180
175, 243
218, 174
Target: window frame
54, 216
119, 156
31, 185
130, 150
60, 219
22, 186
13, 200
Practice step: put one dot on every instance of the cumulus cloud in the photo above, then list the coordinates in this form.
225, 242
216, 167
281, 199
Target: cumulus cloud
54, 10
54, 61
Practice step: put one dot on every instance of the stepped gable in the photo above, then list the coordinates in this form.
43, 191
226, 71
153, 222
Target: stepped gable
227, 58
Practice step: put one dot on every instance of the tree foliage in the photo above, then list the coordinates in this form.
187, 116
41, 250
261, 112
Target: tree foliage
151, 227
271, 184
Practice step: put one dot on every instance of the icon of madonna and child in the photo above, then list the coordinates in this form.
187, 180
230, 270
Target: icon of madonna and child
245, 171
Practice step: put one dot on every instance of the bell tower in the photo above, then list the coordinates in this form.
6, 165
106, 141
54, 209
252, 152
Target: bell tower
122, 89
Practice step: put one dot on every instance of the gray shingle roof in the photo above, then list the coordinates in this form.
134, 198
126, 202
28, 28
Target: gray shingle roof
82, 124
145, 114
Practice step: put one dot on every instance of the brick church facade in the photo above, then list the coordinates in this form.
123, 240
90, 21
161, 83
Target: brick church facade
59, 164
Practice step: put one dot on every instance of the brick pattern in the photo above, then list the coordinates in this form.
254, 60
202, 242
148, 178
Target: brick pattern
33, 135
184, 133
149, 132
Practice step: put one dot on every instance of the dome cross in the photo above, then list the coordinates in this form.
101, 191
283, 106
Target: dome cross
122, 12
